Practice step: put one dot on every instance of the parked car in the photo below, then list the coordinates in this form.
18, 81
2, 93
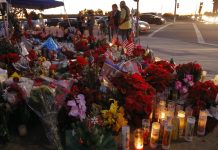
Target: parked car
152, 19
143, 25
36, 24
65, 23
53, 21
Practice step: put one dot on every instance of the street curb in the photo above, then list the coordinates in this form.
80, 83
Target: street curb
208, 44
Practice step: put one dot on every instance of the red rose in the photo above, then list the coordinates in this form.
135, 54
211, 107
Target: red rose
81, 61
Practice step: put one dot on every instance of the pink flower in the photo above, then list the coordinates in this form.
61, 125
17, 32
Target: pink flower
191, 83
78, 107
178, 85
189, 77
185, 80
184, 89
74, 111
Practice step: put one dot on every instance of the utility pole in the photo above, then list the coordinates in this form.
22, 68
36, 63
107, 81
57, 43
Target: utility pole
174, 20
137, 20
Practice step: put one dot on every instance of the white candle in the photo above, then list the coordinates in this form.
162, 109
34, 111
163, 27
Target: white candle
125, 138
203, 76
189, 130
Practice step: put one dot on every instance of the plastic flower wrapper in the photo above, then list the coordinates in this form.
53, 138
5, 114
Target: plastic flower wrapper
42, 102
81, 138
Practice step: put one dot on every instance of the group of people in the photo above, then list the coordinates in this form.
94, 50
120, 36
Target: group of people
119, 21
86, 22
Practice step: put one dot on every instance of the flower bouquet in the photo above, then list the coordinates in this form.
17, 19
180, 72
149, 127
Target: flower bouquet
42, 102
203, 95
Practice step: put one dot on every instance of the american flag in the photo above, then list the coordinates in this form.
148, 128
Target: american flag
129, 48
125, 43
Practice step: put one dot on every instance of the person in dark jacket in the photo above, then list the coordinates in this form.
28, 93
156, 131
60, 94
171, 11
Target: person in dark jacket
90, 22
114, 19
81, 22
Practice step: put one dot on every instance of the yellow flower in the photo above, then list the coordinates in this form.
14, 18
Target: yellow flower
114, 117
121, 121
42, 59
114, 107
15, 75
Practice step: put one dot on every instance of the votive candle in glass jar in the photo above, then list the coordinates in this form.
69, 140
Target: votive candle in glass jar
171, 106
166, 141
188, 111
203, 76
160, 106
202, 121
175, 125
181, 116
162, 113
125, 137
189, 130
138, 139
146, 130
169, 117
154, 135
178, 108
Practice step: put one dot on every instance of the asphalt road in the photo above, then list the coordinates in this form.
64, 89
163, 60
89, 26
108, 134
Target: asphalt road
185, 31
185, 42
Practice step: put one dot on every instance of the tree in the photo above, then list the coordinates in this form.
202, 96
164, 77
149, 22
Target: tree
215, 6
33, 15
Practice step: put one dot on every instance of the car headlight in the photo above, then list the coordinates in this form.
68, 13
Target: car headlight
142, 26
37, 26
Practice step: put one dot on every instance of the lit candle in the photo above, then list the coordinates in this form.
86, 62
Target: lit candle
169, 117
181, 116
154, 134
167, 137
202, 123
203, 76
125, 137
171, 106
160, 106
189, 130
146, 129
175, 124
162, 120
178, 108
162, 114
138, 140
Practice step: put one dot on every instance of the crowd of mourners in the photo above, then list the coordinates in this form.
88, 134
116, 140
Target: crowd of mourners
118, 23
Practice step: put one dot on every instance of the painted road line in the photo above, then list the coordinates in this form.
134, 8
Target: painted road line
158, 30
198, 34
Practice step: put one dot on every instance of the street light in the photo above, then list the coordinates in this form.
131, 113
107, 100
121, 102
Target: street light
175, 11
137, 20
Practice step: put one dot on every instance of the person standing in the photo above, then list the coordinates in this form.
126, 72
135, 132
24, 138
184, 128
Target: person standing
90, 22
125, 22
114, 19
81, 22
